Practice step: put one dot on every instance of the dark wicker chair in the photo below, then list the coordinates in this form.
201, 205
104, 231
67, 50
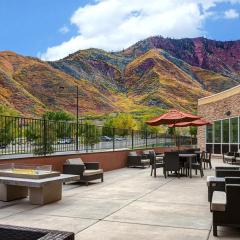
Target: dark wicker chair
237, 158
87, 171
156, 162
225, 205
171, 163
217, 183
24, 233
197, 165
229, 157
137, 160
207, 160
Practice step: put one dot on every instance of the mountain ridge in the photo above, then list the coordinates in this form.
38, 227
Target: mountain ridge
153, 73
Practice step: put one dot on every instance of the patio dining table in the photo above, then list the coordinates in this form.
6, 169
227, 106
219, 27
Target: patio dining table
188, 156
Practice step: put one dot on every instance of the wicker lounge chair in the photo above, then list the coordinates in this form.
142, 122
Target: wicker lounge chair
87, 171
137, 160
225, 205
217, 182
229, 157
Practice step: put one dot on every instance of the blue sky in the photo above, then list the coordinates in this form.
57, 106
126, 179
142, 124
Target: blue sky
52, 29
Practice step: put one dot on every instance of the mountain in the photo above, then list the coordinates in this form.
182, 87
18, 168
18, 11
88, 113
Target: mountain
153, 74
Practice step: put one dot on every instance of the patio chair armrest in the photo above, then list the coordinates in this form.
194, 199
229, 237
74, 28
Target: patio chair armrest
92, 165
232, 180
73, 169
227, 173
219, 201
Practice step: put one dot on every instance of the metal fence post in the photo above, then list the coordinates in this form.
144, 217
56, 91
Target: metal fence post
132, 139
146, 136
113, 139
44, 136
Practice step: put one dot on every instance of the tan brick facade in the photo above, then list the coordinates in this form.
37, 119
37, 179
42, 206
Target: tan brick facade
215, 107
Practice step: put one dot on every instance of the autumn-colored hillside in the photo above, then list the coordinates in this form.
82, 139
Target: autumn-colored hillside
154, 73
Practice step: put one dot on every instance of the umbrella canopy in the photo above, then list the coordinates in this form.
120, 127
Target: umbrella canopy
172, 117
195, 123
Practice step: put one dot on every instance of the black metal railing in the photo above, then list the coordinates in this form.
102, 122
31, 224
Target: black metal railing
40, 136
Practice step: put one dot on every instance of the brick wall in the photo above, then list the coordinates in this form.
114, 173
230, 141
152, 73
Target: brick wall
108, 160
216, 110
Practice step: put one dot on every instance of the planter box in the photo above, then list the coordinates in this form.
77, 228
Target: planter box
22, 233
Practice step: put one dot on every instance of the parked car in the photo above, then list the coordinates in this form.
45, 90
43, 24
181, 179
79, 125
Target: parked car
65, 141
3, 145
120, 138
106, 139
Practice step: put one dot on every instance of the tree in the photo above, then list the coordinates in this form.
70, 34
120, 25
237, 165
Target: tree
7, 123
91, 134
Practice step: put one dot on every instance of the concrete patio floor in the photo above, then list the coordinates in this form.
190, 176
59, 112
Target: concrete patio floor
128, 205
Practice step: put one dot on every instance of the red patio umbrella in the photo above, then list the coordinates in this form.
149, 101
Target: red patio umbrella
172, 117
195, 123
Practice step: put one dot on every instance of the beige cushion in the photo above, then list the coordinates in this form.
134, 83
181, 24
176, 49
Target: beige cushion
237, 158
145, 161
218, 201
75, 161
92, 172
228, 157
159, 158
132, 154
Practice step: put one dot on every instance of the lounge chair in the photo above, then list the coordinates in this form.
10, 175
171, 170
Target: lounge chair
225, 205
137, 160
217, 182
229, 157
87, 171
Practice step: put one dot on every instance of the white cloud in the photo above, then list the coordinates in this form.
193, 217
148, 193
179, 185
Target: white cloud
231, 14
64, 29
117, 24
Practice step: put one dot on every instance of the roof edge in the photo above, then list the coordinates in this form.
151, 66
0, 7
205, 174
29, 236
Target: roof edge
219, 96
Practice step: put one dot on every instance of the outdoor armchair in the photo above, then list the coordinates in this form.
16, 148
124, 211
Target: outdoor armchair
225, 206
137, 160
229, 157
217, 182
87, 171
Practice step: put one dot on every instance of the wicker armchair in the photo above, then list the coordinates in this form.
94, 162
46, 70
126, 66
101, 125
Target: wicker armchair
87, 171
225, 205
217, 182
137, 160
229, 157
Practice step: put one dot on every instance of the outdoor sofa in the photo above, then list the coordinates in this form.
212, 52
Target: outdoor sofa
217, 182
225, 205
88, 171
137, 160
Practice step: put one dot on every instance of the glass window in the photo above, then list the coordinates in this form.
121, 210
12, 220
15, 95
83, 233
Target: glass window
225, 131
234, 130
209, 130
217, 131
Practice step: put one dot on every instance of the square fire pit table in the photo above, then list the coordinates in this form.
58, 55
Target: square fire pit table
41, 184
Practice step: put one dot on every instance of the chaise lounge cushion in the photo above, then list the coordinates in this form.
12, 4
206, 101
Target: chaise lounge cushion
132, 154
92, 172
229, 157
219, 201
75, 161
145, 161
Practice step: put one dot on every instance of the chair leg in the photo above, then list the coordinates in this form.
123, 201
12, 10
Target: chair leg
214, 230
151, 170
210, 164
102, 180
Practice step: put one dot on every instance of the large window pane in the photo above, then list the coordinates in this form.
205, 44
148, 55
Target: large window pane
217, 131
209, 130
225, 130
234, 130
